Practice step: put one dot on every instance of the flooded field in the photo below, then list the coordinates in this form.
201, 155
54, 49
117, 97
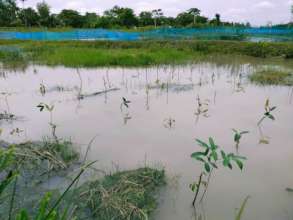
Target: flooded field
157, 124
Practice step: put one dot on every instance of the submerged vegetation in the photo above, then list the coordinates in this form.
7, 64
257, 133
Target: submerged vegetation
272, 77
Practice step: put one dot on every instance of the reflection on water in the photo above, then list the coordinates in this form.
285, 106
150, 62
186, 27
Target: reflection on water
153, 115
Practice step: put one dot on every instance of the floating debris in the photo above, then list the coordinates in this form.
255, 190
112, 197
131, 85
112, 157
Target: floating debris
173, 87
82, 96
7, 116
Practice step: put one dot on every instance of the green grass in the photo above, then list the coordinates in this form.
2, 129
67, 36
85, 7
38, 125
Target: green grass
272, 77
138, 53
123, 195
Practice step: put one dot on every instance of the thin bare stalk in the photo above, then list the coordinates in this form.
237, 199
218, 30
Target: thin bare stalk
197, 189
206, 188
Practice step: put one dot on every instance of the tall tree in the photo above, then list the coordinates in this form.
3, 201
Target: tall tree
44, 12
184, 19
29, 17
157, 14
71, 18
121, 16
195, 12
218, 19
8, 12
146, 18
90, 20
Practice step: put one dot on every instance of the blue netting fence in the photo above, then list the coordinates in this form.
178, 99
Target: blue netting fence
249, 34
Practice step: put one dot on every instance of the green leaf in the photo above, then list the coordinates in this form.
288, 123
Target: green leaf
239, 163
197, 154
207, 167
271, 117
230, 166
212, 143
214, 165
226, 161
202, 144
193, 187
237, 137
43, 207
240, 157
244, 132
223, 155
23, 215
4, 183
206, 152
214, 155
41, 107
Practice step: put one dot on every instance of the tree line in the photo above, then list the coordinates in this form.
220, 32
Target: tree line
13, 16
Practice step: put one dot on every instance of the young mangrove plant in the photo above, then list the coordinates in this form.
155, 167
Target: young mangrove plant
202, 108
42, 89
169, 123
238, 136
210, 159
268, 112
125, 103
50, 109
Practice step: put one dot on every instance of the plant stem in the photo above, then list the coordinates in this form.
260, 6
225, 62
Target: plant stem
260, 121
206, 188
197, 190
68, 188
12, 198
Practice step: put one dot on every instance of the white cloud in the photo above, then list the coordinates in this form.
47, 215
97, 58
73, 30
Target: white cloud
264, 5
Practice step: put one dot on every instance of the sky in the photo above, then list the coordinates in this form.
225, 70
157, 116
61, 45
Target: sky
257, 12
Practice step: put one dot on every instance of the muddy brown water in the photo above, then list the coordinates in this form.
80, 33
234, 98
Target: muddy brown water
160, 126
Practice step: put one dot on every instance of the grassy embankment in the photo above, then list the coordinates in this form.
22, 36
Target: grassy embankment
131, 54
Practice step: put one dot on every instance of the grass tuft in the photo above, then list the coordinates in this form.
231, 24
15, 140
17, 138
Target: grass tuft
123, 195
272, 77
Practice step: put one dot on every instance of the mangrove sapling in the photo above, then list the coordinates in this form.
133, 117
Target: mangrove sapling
6, 115
79, 95
53, 126
268, 112
238, 136
42, 89
125, 103
125, 114
147, 103
202, 108
291, 96
169, 123
210, 159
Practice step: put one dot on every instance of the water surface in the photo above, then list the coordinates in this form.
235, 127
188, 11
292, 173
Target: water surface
128, 138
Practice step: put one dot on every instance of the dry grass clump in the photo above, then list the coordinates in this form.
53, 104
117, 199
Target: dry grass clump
123, 195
